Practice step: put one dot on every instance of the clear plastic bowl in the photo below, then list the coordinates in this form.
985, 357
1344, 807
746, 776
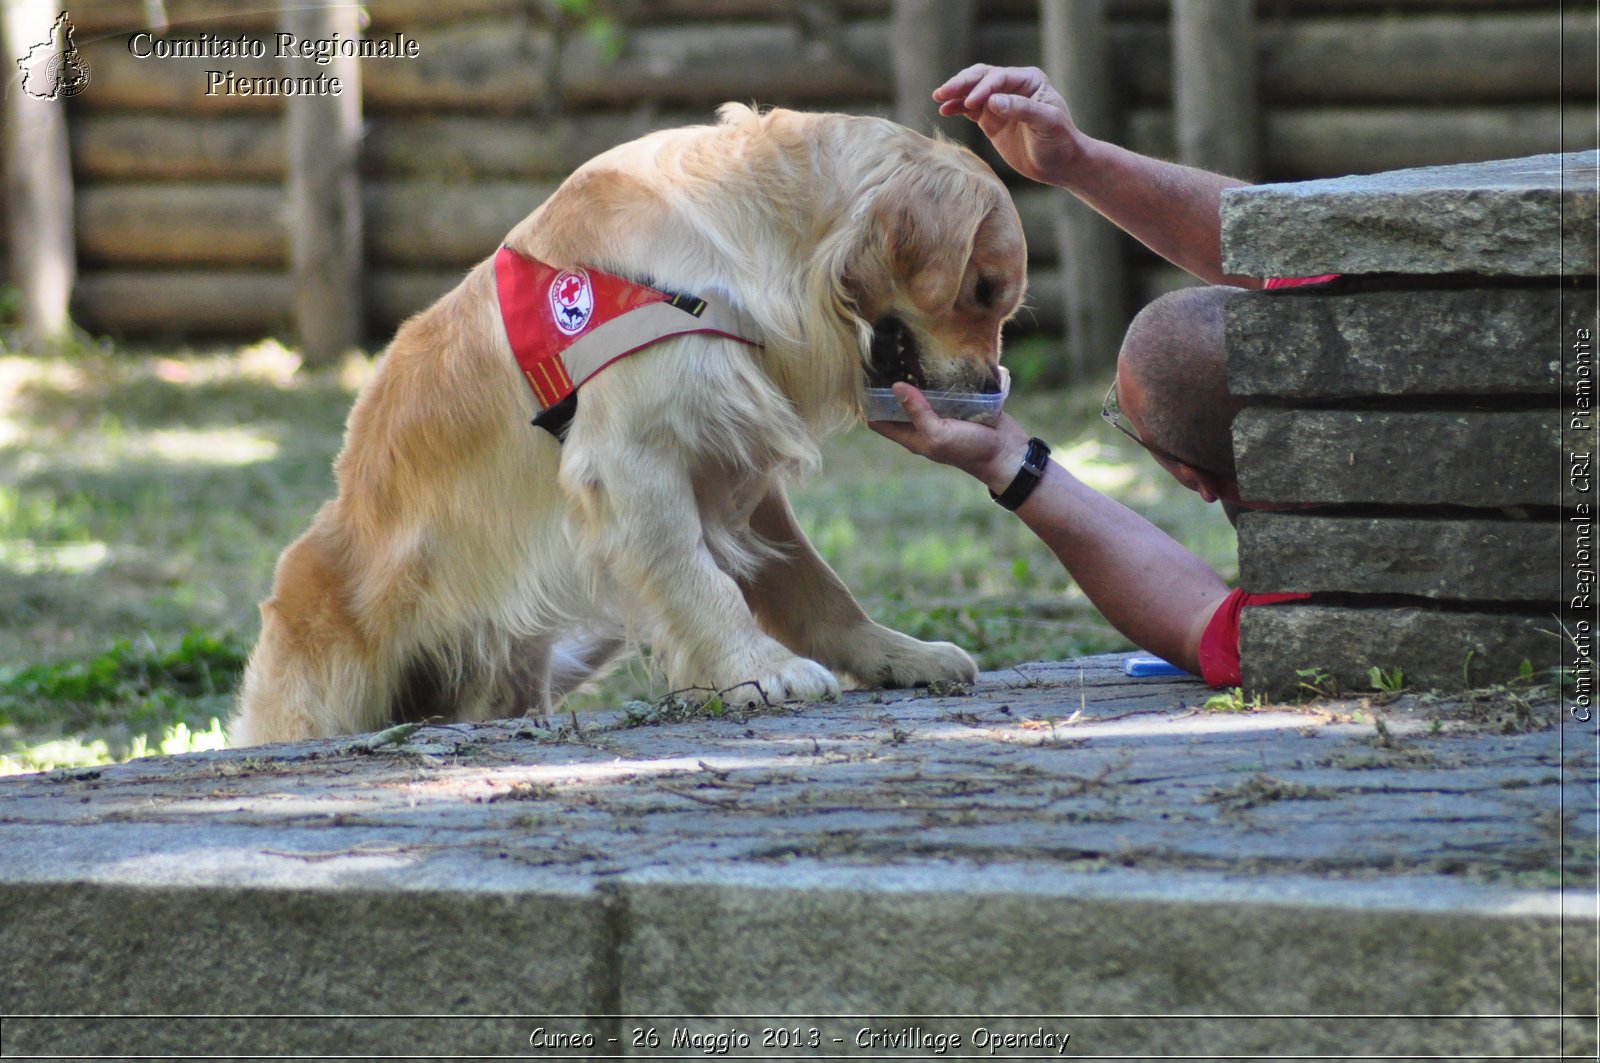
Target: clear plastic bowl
881, 405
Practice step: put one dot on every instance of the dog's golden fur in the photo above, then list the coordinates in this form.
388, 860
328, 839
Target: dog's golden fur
472, 566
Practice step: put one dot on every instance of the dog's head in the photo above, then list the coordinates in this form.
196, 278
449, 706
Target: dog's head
866, 252
938, 265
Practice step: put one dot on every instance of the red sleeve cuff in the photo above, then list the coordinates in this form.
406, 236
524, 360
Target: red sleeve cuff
1295, 282
1219, 646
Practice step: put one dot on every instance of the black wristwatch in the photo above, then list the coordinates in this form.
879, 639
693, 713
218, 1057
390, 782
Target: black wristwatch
1033, 466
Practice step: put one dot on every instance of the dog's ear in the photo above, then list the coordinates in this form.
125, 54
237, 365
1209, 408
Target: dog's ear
863, 281
916, 237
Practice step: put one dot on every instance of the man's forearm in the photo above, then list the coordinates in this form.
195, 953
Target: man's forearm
1144, 582
1174, 210
1147, 585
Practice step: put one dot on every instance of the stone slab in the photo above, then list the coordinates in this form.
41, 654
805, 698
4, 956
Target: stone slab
1110, 964
1527, 217
1446, 559
337, 951
1434, 457
1432, 648
1057, 838
1486, 342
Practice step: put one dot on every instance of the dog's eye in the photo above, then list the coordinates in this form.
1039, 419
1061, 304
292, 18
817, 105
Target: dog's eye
984, 292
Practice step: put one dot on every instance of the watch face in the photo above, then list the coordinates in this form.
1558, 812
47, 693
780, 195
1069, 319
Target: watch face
1038, 454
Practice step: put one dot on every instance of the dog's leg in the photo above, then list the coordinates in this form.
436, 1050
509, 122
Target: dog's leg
641, 520
805, 604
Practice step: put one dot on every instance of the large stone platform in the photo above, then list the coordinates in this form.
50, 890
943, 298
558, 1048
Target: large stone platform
1424, 422
1059, 851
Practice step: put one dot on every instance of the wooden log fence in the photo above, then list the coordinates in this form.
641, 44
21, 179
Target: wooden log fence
932, 39
487, 68
1214, 98
323, 139
1077, 57
461, 142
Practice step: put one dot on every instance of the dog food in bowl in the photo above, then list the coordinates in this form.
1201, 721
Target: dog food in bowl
881, 405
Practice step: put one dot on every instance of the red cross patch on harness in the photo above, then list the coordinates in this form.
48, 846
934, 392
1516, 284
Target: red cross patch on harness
565, 325
572, 300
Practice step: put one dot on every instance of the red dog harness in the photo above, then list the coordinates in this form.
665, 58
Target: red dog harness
565, 325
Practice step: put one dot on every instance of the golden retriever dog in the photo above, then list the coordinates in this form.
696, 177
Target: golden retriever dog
473, 565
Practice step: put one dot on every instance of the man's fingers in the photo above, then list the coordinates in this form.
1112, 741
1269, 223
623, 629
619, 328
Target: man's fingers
966, 446
1009, 93
925, 431
898, 431
1042, 118
916, 405
1004, 81
995, 80
959, 85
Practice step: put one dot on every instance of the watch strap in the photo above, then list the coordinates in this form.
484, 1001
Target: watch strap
1028, 476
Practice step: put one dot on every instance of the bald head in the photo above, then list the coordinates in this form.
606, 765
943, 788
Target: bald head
1173, 378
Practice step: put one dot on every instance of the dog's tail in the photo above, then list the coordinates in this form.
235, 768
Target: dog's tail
311, 674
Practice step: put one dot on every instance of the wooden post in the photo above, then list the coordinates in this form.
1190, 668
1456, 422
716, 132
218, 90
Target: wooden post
932, 41
1214, 102
324, 146
38, 166
1077, 57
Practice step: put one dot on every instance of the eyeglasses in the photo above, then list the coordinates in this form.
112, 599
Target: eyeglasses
1111, 410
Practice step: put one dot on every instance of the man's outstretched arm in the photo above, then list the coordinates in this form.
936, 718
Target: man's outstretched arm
1174, 210
1158, 594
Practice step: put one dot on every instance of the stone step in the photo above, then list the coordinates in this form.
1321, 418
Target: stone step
1429, 648
1448, 559
1059, 850
1479, 459
1527, 217
1487, 343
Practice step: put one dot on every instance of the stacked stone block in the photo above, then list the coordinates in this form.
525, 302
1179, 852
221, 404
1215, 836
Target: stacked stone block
1417, 418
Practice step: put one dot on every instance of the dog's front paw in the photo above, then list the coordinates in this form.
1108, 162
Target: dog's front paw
881, 657
794, 679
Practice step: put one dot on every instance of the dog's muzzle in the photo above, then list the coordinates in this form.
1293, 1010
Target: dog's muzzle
896, 356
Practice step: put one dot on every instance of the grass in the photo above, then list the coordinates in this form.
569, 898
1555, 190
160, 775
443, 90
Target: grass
145, 495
